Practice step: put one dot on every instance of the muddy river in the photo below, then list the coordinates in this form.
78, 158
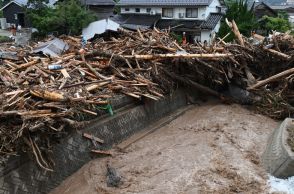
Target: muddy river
211, 148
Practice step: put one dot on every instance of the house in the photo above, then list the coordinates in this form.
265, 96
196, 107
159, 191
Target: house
261, 9
199, 19
14, 12
102, 8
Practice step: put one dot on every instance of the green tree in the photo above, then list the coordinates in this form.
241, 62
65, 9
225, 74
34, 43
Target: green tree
67, 17
279, 23
244, 18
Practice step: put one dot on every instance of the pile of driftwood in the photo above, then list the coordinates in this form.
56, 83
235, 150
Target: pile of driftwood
41, 96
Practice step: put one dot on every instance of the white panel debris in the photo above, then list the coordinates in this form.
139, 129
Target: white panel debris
99, 27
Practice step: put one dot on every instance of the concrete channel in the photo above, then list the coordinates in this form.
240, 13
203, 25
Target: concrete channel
20, 175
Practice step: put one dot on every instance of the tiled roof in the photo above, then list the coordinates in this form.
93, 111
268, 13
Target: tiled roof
131, 21
164, 24
281, 7
211, 21
163, 2
98, 2
25, 2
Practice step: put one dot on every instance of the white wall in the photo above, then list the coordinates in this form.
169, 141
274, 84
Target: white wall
212, 8
177, 10
216, 28
205, 36
157, 10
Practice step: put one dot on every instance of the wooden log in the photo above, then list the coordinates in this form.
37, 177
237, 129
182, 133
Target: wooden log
279, 54
102, 152
53, 96
236, 31
26, 65
98, 75
165, 56
271, 79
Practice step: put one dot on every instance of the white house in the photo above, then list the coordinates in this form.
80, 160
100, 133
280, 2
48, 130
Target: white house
199, 19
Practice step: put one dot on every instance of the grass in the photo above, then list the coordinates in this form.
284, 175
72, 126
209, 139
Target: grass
4, 39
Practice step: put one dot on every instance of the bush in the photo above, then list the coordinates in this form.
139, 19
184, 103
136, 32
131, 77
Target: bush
279, 24
68, 17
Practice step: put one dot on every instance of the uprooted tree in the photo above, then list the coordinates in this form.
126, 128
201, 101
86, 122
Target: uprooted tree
238, 11
66, 17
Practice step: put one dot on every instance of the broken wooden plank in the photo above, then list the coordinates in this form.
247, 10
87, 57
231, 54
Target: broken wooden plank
102, 152
91, 137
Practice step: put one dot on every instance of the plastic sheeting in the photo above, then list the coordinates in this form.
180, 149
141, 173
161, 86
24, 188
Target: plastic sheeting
99, 27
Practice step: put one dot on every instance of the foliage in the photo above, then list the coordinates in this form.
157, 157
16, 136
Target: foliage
280, 23
68, 17
4, 39
177, 37
283, 14
238, 11
1, 5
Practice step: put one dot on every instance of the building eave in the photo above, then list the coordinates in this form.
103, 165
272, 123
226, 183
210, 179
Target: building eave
11, 2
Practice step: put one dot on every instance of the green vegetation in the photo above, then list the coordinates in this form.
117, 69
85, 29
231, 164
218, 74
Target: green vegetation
244, 18
4, 39
68, 17
280, 23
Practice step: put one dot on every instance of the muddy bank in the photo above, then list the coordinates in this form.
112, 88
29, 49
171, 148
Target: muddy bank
212, 148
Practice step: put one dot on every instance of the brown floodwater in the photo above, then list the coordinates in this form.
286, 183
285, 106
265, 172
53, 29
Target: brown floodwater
212, 148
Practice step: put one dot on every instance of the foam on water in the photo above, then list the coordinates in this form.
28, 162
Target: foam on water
281, 185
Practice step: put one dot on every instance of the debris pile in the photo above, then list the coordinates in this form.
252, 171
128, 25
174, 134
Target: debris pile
41, 94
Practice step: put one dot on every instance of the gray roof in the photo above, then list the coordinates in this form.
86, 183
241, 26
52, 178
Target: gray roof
133, 21
179, 24
163, 2
212, 21
23, 3
281, 7
98, 2
53, 47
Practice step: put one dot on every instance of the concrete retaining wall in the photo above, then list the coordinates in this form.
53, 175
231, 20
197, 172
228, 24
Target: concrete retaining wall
22, 176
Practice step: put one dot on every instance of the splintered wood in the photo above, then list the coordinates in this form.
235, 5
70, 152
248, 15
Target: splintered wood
41, 96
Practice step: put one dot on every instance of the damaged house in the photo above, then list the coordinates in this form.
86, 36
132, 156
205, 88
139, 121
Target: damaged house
15, 11
102, 8
199, 20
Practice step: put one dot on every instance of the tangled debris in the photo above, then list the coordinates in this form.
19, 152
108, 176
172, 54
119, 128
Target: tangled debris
42, 95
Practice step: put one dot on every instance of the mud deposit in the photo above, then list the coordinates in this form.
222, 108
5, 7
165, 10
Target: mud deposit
212, 148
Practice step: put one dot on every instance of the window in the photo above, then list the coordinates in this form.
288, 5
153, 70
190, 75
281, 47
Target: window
137, 10
167, 12
219, 9
148, 10
127, 9
191, 13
